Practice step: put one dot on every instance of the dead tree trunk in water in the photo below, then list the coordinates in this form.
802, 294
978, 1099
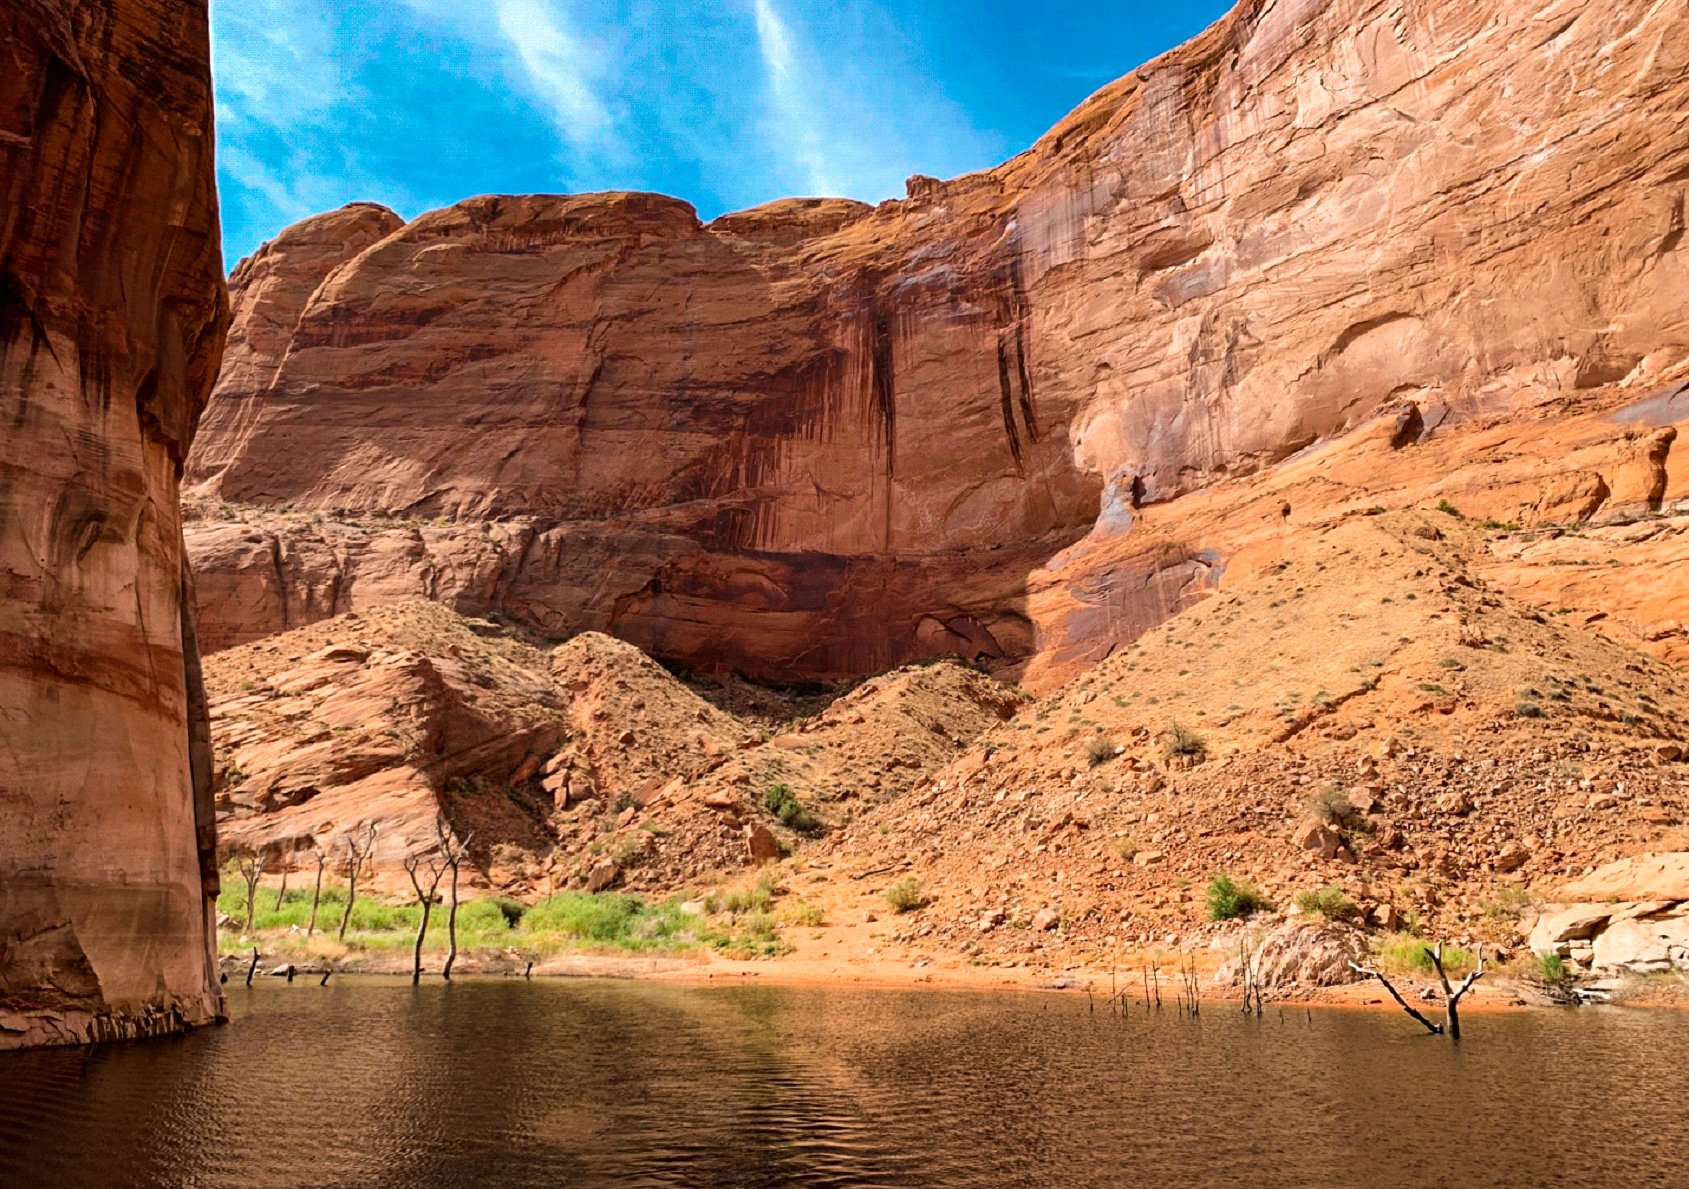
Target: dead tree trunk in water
1434, 1029
453, 850
357, 854
316, 892
425, 899
1452, 995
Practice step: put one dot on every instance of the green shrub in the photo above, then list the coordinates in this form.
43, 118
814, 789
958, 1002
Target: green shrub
1448, 509
512, 910
1551, 968
791, 812
1229, 899
1328, 902
905, 895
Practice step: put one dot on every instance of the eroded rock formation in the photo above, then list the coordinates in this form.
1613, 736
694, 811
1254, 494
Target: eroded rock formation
817, 438
112, 318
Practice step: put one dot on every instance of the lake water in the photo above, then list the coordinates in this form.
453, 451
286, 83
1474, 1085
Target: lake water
505, 1082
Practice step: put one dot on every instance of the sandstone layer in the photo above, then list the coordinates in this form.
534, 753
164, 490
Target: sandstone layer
817, 439
112, 318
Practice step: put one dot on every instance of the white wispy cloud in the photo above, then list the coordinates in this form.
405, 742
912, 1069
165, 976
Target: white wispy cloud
795, 114
568, 71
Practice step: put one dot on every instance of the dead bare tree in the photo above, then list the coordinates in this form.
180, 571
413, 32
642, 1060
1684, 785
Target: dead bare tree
1451, 994
251, 864
282, 890
316, 892
358, 852
453, 849
425, 878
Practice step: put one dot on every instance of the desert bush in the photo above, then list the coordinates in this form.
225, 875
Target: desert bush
1329, 902
1182, 743
806, 914
1229, 899
905, 895
759, 897
1331, 806
1099, 750
791, 812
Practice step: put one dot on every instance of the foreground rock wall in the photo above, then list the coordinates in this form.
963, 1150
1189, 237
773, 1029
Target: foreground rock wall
112, 318
817, 438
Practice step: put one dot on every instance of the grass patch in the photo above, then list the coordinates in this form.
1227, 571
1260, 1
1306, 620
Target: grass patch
1404, 952
1230, 899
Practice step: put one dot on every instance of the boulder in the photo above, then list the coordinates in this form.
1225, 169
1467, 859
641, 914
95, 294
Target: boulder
1644, 877
1302, 954
760, 844
1644, 944
1321, 838
1555, 929
603, 876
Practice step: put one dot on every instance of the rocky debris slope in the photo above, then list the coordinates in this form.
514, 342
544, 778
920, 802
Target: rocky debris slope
1364, 713
585, 765
112, 317
393, 718
817, 439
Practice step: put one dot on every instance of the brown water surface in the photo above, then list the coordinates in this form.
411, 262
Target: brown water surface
510, 1083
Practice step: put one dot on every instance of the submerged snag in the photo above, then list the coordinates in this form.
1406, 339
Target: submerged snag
1451, 994
453, 849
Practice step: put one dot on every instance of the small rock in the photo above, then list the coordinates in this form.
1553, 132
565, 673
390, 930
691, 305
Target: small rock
1045, 919
603, 875
1512, 857
1456, 804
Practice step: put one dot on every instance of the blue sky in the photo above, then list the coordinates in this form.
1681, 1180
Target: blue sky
725, 103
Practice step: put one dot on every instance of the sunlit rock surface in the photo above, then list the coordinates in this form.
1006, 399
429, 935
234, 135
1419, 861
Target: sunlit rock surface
112, 319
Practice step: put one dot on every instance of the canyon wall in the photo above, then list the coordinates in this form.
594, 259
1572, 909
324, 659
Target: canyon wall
818, 438
112, 319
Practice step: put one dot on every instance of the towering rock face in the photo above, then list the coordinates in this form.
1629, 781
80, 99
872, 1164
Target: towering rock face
112, 318
817, 438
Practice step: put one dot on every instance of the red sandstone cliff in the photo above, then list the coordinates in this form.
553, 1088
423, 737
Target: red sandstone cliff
818, 438
112, 318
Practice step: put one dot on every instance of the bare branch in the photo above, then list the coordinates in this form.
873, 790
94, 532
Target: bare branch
1434, 1029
